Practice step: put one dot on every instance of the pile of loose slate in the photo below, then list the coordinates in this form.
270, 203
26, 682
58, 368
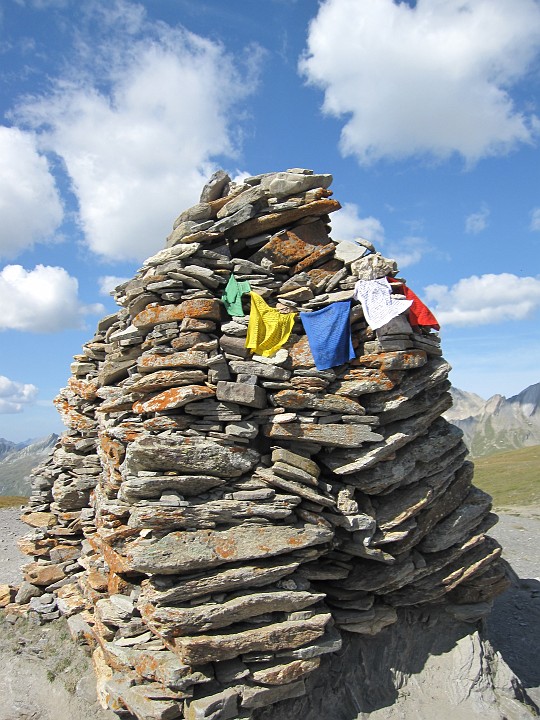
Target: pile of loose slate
213, 521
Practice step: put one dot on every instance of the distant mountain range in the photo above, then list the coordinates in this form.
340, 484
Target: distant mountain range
17, 461
498, 423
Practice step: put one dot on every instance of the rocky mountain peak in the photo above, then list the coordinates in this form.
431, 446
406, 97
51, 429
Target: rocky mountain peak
497, 424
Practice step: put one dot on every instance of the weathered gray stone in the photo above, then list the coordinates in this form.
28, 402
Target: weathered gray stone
404, 503
241, 393
215, 647
296, 488
27, 591
243, 429
281, 184
257, 696
348, 251
327, 435
181, 553
382, 617
252, 196
298, 400
373, 266
414, 461
210, 514
241, 215
189, 455
348, 462
215, 187
221, 706
175, 621
263, 370
235, 345
293, 473
301, 462
171, 591
456, 526
138, 488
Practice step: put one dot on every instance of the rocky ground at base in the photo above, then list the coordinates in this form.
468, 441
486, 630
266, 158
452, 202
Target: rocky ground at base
50, 677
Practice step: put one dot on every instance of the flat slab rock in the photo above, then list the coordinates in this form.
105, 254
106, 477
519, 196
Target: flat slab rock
166, 590
180, 621
151, 486
332, 435
189, 455
197, 308
215, 647
184, 552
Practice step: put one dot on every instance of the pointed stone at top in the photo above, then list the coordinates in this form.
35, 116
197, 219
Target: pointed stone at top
215, 186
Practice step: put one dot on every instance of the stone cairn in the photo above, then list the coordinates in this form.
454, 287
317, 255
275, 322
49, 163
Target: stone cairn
213, 521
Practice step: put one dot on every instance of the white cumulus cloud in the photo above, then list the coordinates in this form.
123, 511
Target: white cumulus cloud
348, 225
535, 219
139, 123
107, 283
15, 395
42, 300
433, 79
485, 299
409, 251
477, 222
30, 205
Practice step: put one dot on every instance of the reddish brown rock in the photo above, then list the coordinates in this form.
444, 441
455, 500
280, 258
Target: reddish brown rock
398, 360
189, 358
7, 595
43, 575
363, 382
316, 257
83, 388
39, 519
282, 674
197, 308
71, 418
162, 379
258, 225
300, 352
174, 398
287, 248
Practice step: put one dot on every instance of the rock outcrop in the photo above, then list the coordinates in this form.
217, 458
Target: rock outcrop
216, 520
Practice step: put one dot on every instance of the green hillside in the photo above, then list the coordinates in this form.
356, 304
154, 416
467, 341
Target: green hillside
7, 501
512, 478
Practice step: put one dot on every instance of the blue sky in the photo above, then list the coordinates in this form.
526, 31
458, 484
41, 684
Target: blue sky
114, 112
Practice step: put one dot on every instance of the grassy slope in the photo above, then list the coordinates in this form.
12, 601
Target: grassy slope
512, 478
7, 501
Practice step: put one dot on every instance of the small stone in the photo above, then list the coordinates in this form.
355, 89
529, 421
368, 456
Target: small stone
8, 595
257, 696
241, 393
221, 706
25, 592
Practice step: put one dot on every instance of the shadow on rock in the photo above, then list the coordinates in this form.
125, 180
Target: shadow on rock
425, 665
512, 626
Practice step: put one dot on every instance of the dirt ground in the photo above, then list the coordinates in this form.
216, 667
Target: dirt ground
45, 684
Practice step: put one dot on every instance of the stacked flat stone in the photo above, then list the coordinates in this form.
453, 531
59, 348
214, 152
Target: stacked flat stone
250, 509
58, 507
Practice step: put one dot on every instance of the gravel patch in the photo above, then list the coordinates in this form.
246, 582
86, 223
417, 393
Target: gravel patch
11, 558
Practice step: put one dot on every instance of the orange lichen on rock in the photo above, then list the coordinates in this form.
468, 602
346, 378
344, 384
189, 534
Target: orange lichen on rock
196, 308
